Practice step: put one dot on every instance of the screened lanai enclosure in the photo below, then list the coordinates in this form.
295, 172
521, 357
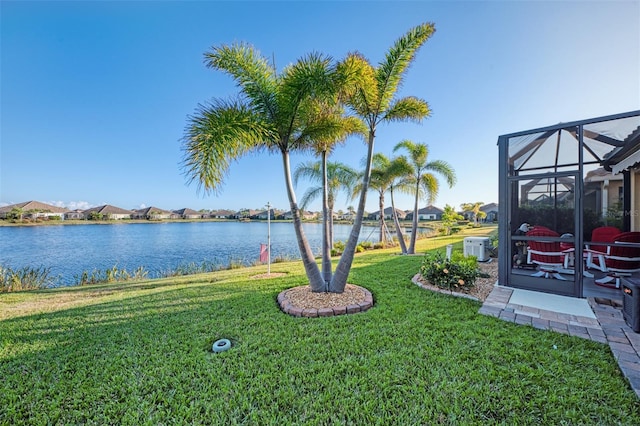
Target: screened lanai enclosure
563, 188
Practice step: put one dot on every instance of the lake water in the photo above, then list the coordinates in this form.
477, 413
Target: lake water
158, 247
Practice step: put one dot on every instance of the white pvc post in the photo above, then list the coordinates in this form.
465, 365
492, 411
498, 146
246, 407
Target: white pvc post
449, 250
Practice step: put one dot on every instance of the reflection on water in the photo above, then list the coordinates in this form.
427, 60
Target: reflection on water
158, 247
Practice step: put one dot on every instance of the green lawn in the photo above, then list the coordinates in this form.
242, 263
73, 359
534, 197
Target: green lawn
140, 353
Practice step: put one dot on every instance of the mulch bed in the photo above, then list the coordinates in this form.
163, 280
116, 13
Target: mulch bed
302, 302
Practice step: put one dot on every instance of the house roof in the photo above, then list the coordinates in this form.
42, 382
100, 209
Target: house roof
34, 205
389, 210
223, 213
600, 174
491, 207
152, 210
108, 209
430, 209
186, 211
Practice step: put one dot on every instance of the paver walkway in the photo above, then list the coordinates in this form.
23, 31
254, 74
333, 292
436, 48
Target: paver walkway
608, 327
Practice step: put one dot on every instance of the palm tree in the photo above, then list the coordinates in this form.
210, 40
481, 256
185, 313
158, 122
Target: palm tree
398, 170
351, 211
274, 112
474, 209
374, 101
380, 182
339, 177
385, 176
338, 128
423, 182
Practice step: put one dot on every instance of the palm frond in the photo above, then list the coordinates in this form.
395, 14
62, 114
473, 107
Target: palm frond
255, 77
308, 79
310, 194
397, 60
407, 109
309, 170
339, 177
431, 186
357, 80
217, 134
418, 152
325, 132
443, 168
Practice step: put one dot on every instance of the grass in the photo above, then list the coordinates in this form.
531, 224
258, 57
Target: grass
140, 353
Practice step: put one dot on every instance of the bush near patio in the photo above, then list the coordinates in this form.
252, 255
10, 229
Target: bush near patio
456, 274
140, 353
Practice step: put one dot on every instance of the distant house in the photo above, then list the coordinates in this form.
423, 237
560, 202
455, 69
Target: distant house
34, 210
263, 215
347, 216
107, 212
491, 210
223, 214
388, 214
75, 215
151, 213
306, 215
427, 213
187, 214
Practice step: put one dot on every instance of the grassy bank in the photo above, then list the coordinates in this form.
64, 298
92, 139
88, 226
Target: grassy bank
140, 353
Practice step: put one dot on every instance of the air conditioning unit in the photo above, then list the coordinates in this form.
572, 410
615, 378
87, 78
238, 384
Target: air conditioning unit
478, 247
631, 303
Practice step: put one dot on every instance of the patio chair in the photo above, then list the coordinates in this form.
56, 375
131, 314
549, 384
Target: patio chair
548, 255
622, 259
603, 234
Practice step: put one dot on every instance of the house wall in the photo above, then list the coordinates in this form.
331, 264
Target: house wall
115, 216
614, 193
427, 217
635, 201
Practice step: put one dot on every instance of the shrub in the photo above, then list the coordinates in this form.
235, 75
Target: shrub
457, 274
377, 246
366, 245
109, 275
282, 259
26, 278
338, 248
359, 248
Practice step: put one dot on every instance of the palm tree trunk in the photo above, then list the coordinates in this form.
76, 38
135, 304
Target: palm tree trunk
403, 245
414, 223
330, 227
326, 225
381, 220
339, 280
308, 260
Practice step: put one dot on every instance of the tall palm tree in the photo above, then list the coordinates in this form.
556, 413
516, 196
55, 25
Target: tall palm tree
398, 170
330, 110
373, 100
380, 182
386, 175
274, 112
474, 209
340, 177
423, 182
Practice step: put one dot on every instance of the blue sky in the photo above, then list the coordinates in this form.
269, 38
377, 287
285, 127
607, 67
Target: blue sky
95, 95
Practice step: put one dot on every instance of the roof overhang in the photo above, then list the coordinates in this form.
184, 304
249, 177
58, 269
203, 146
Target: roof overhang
626, 163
